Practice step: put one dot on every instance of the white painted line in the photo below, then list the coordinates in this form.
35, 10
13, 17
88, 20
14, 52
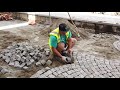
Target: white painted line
13, 26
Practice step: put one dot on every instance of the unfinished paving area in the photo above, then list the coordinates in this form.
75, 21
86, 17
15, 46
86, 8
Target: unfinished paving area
91, 62
86, 66
22, 54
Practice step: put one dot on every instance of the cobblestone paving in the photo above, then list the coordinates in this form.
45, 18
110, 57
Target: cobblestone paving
85, 66
117, 43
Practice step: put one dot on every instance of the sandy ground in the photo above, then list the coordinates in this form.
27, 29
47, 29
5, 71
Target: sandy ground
99, 45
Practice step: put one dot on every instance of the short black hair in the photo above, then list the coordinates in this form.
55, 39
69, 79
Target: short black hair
63, 27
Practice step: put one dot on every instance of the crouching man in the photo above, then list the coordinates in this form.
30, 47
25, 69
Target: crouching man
61, 43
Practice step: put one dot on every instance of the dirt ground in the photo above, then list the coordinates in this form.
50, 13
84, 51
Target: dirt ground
99, 45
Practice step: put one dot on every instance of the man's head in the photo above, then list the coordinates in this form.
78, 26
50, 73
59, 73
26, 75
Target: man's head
63, 28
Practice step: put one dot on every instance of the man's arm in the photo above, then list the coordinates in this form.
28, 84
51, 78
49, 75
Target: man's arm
63, 58
53, 43
69, 41
55, 51
54, 46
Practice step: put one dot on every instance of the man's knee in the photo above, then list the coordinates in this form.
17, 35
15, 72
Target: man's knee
61, 46
73, 41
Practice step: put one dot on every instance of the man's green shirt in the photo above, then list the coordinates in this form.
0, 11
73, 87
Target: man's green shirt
53, 39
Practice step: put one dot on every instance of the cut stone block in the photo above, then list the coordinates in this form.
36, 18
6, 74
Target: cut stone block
32, 54
22, 65
47, 53
47, 68
25, 67
7, 60
3, 71
11, 63
23, 60
16, 64
28, 63
31, 60
49, 62
43, 62
1, 55
38, 63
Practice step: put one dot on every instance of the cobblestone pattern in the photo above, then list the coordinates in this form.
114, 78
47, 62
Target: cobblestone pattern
117, 43
86, 66
118, 37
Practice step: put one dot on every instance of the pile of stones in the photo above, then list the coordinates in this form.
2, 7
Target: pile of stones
22, 55
4, 70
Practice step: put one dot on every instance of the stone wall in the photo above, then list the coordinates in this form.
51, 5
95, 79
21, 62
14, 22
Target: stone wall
21, 16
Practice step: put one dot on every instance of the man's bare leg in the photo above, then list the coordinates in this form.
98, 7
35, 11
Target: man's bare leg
73, 42
61, 47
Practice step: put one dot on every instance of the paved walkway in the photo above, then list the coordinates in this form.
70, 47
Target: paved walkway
86, 66
81, 16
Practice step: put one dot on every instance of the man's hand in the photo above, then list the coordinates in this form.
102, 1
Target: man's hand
69, 51
64, 59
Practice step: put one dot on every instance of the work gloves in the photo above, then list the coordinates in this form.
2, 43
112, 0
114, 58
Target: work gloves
66, 59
